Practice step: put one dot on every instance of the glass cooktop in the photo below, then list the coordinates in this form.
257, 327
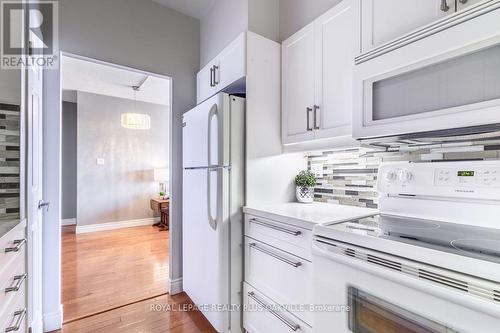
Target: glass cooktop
470, 241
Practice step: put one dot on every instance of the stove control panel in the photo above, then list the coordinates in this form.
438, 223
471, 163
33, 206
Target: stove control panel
468, 179
472, 177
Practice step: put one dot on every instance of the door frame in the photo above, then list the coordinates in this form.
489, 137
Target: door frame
174, 256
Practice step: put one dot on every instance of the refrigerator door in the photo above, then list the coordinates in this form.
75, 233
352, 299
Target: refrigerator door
202, 135
205, 248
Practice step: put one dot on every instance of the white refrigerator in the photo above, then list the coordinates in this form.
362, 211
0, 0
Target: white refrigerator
213, 195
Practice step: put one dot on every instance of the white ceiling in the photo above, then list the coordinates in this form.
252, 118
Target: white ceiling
96, 78
193, 8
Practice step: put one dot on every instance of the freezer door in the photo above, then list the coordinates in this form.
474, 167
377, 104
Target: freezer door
205, 248
202, 134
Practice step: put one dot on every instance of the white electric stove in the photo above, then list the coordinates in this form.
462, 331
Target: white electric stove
429, 262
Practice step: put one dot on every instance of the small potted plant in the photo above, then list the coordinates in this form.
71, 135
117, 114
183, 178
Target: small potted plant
304, 183
162, 195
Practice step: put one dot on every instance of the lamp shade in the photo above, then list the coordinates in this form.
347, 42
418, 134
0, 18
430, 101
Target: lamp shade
161, 174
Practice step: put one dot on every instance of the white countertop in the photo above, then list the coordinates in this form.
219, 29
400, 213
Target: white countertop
308, 215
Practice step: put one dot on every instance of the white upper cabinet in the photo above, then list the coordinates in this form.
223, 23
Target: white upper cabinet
298, 86
336, 46
384, 20
462, 4
317, 76
226, 68
205, 82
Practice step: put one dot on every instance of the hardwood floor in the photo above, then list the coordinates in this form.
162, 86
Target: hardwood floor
107, 269
145, 317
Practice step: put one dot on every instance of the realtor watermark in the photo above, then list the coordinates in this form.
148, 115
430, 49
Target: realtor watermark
29, 34
188, 307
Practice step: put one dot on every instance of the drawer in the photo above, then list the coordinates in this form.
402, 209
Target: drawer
281, 276
14, 239
288, 238
16, 315
12, 283
262, 315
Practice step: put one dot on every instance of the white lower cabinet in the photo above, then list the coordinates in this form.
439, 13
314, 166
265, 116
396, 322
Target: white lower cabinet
278, 277
13, 280
262, 315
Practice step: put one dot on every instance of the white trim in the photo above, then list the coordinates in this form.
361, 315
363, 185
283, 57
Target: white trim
175, 286
65, 222
52, 321
80, 229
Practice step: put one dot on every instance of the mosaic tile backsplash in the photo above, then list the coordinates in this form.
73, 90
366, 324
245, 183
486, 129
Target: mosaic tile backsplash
9, 161
348, 177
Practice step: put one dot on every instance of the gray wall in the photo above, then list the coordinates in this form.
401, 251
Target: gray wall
135, 33
263, 18
296, 14
223, 23
120, 189
68, 172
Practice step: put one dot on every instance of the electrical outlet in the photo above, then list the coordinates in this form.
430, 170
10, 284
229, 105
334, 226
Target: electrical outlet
100, 161
317, 169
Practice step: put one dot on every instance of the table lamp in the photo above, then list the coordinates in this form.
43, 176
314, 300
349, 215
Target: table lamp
161, 176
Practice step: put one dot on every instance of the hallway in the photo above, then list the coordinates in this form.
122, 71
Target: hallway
109, 269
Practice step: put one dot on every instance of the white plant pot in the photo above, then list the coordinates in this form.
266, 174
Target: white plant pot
304, 194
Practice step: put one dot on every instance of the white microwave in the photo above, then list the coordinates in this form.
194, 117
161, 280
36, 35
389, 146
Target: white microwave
443, 76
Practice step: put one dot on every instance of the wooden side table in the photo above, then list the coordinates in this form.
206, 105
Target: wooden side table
161, 206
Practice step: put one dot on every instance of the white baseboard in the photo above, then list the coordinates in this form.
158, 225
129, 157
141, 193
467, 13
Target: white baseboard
80, 229
175, 286
52, 321
65, 222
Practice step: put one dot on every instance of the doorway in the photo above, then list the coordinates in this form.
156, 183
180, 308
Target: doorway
115, 185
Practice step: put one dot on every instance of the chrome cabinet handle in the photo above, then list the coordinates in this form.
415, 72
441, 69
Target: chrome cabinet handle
19, 244
20, 279
276, 256
212, 77
215, 75
308, 112
294, 327
316, 108
444, 6
20, 317
275, 227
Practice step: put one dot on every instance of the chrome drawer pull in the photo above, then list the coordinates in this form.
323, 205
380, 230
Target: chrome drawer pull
19, 244
20, 317
20, 279
292, 326
275, 227
274, 255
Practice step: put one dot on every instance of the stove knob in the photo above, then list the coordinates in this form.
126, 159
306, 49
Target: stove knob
405, 176
391, 176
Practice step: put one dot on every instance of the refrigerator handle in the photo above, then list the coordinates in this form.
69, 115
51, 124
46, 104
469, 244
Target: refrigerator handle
211, 220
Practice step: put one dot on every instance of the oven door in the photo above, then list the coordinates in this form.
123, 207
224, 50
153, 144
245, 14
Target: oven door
449, 79
355, 297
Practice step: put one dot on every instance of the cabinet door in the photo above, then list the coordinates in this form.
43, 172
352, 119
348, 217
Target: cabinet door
205, 86
462, 4
384, 20
298, 86
337, 43
231, 63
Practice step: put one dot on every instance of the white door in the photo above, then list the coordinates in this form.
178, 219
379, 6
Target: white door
337, 44
384, 20
298, 86
205, 82
34, 193
231, 63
